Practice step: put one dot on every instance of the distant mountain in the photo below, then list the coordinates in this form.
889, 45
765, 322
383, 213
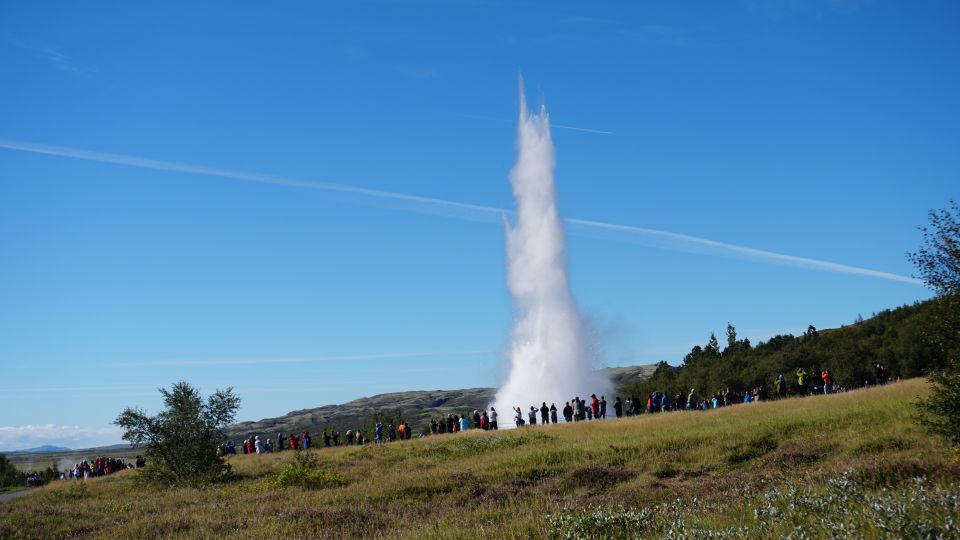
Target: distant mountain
41, 450
120, 446
415, 407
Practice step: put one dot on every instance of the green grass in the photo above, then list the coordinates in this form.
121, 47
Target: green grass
755, 471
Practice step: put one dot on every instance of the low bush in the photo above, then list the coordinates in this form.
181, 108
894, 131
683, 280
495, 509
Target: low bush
600, 522
303, 471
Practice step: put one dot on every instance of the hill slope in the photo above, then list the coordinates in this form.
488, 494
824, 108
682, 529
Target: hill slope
759, 471
416, 407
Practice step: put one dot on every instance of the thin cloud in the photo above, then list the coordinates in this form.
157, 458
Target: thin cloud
299, 359
55, 57
459, 210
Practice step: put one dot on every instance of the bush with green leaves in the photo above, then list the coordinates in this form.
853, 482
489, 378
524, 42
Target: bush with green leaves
304, 471
181, 441
938, 263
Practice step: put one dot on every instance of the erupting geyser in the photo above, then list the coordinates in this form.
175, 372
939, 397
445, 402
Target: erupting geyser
548, 357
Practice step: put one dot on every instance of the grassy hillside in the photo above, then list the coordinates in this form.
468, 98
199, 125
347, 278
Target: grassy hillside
849, 460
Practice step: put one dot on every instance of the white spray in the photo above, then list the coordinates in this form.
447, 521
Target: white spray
548, 357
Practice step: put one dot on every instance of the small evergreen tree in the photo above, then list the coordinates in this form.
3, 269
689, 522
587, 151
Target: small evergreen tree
731, 337
181, 442
713, 346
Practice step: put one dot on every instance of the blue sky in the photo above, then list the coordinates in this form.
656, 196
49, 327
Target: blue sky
816, 129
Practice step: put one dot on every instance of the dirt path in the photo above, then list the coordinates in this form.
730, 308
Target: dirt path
4, 497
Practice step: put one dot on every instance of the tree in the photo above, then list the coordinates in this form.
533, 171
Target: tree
181, 442
938, 263
731, 336
938, 259
9, 475
713, 346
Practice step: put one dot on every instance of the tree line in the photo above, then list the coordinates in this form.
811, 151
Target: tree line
897, 338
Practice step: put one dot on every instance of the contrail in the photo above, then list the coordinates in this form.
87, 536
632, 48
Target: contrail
750, 252
298, 359
455, 209
587, 130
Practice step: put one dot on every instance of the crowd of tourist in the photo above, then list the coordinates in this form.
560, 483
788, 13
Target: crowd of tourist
382, 433
101, 466
576, 410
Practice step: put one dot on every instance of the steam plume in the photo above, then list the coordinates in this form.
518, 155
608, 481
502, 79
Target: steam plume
548, 358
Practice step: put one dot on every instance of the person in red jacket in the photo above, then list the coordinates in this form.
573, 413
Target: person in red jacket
595, 405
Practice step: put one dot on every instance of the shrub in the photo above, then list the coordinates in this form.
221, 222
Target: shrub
9, 475
600, 522
303, 471
938, 262
181, 442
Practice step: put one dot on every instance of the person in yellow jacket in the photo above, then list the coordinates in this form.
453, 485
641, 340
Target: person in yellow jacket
802, 381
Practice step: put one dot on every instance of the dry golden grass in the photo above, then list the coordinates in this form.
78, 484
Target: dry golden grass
504, 484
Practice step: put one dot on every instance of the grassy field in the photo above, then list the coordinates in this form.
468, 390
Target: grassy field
850, 465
